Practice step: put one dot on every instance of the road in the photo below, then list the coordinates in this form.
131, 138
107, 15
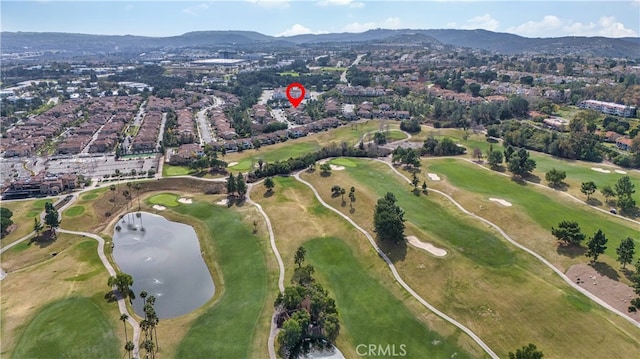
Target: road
204, 126
343, 77
161, 132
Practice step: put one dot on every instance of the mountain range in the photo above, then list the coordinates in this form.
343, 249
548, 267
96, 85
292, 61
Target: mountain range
504, 43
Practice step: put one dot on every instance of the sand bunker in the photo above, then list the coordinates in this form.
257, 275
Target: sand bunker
231, 164
438, 252
501, 201
185, 200
222, 202
601, 170
433, 176
159, 207
621, 172
337, 168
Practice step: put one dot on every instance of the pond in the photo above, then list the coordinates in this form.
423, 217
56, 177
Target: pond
164, 259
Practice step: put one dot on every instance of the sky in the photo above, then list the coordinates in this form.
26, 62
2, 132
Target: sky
293, 17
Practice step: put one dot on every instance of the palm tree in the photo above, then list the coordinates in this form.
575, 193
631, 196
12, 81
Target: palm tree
137, 188
113, 190
124, 318
129, 346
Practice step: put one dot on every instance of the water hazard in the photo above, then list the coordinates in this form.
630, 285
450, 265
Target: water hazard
165, 260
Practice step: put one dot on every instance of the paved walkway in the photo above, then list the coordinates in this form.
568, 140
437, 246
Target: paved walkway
396, 275
273, 331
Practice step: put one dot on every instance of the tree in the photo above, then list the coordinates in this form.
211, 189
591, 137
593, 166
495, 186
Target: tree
342, 192
352, 197
607, 192
289, 337
474, 88
231, 184
299, 256
555, 177
388, 219
625, 251
424, 187
129, 346
325, 169
596, 245
51, 218
112, 188
625, 189
477, 153
37, 226
5, 219
123, 318
123, 283
528, 352
520, 164
568, 232
269, 184
588, 188
241, 186
494, 158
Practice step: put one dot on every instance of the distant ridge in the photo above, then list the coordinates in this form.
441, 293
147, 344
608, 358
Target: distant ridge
504, 43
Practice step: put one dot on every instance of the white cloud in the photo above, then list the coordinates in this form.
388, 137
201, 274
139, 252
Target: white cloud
195, 9
349, 3
296, 29
389, 23
271, 3
553, 26
481, 22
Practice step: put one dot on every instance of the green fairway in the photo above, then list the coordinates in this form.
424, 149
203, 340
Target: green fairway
171, 170
74, 211
342, 161
338, 69
69, 328
544, 208
165, 199
371, 314
89, 196
269, 154
227, 329
503, 294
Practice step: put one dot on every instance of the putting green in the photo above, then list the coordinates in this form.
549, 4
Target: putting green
74, 211
68, 328
342, 161
90, 196
165, 199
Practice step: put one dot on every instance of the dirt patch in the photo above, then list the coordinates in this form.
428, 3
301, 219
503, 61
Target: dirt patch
601, 170
438, 252
501, 201
337, 168
615, 293
185, 200
433, 176
159, 207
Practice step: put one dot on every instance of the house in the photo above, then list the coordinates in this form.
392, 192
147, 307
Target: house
624, 143
185, 153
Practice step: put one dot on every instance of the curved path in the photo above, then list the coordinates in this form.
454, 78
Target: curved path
112, 272
396, 275
273, 331
515, 243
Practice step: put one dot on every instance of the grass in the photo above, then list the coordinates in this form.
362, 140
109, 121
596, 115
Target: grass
164, 199
369, 291
545, 208
23, 214
501, 293
227, 329
342, 161
289, 73
368, 310
68, 328
90, 196
173, 170
74, 211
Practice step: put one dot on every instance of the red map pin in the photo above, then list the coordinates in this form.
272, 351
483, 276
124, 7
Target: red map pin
295, 101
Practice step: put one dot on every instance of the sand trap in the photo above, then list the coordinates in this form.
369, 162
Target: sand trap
222, 202
438, 252
337, 168
231, 164
433, 176
185, 200
501, 201
159, 207
621, 172
601, 170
